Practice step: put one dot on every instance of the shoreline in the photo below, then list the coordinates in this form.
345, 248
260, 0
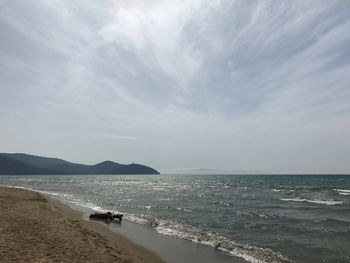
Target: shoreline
58, 233
169, 248
166, 248
154, 217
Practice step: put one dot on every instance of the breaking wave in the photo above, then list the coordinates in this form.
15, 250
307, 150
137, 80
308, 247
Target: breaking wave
248, 252
320, 202
342, 191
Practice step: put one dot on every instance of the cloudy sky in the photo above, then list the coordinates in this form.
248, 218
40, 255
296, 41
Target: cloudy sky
229, 85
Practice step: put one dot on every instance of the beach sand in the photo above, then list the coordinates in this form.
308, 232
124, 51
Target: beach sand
34, 228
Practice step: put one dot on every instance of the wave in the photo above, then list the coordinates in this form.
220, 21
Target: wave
184, 209
333, 221
285, 190
89, 205
261, 215
321, 202
342, 191
145, 207
172, 228
46, 192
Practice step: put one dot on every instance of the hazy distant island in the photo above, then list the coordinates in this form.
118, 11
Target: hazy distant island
208, 171
25, 164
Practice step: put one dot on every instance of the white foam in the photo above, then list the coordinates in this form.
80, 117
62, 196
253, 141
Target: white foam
47, 192
249, 253
342, 190
88, 205
184, 209
276, 258
321, 202
161, 189
136, 219
172, 228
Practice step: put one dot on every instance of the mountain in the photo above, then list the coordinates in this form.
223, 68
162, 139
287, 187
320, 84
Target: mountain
20, 164
11, 166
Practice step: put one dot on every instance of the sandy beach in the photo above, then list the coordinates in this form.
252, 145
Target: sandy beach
34, 228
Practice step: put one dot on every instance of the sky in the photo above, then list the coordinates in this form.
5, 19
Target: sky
233, 86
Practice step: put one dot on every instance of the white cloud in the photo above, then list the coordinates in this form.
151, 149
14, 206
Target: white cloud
241, 85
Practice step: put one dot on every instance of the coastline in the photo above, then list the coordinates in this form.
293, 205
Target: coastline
152, 218
169, 248
58, 233
139, 238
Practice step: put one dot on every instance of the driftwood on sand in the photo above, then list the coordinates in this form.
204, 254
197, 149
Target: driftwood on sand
106, 216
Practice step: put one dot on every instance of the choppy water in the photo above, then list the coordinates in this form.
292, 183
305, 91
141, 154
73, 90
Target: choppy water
260, 218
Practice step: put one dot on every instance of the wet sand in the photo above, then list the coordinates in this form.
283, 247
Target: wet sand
34, 228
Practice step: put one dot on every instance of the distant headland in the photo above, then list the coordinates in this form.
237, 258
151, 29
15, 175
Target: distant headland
25, 164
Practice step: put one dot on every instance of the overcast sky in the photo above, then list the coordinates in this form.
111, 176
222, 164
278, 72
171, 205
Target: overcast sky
228, 85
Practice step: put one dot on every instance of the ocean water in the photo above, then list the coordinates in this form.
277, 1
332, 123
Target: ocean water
258, 218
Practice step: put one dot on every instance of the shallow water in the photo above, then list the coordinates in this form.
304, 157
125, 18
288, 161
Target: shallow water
259, 218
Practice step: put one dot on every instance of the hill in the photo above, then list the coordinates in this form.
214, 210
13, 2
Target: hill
20, 164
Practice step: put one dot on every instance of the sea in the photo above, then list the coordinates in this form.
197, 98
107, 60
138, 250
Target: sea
253, 218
